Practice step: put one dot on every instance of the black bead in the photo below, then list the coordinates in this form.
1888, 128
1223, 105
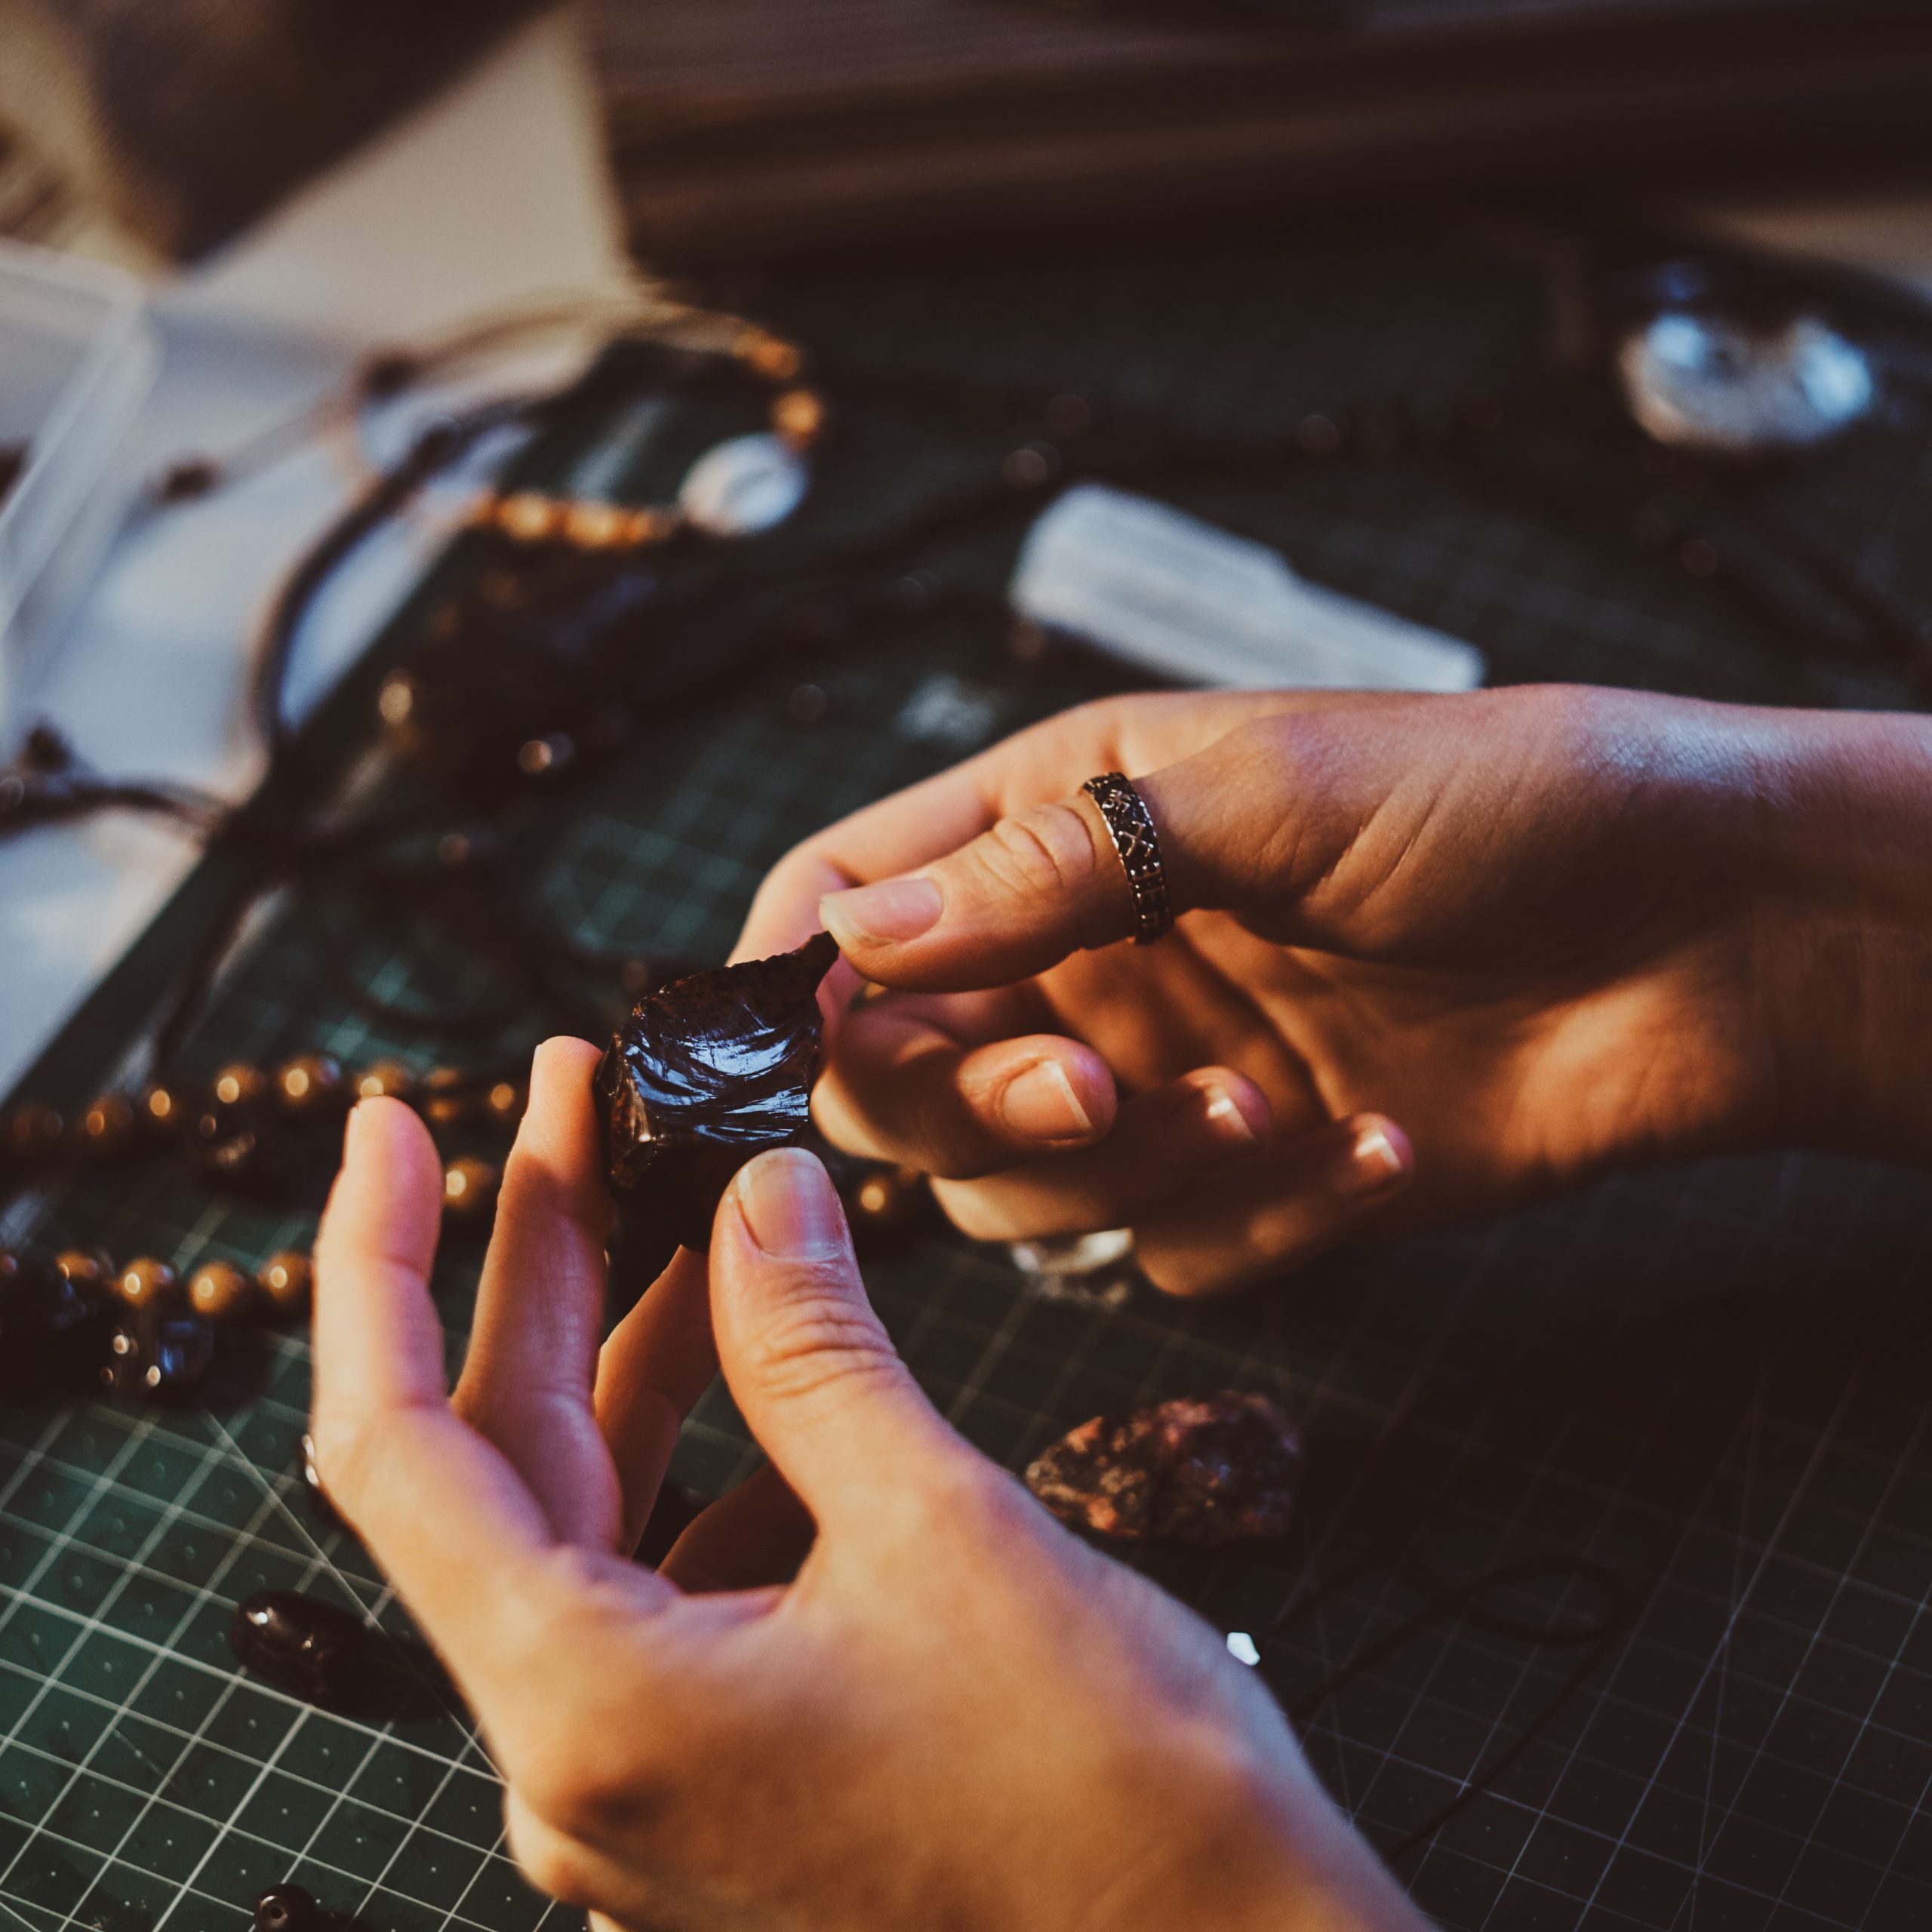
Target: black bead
288, 1909
312, 1650
161, 1351
53, 1330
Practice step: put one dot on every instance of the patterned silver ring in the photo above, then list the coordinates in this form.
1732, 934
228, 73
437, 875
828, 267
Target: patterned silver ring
1130, 826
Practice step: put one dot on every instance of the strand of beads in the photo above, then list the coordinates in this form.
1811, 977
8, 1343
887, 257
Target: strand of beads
234, 1130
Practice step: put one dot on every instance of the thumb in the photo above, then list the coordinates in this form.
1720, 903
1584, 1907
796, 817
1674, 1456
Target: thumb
808, 1362
1043, 883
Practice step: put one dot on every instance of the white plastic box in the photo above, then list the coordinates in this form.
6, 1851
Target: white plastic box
77, 360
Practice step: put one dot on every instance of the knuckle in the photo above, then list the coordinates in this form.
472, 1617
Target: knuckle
818, 1339
1048, 850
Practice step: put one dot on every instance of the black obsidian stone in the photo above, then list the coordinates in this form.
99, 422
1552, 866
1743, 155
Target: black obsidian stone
161, 1350
311, 1649
53, 1331
708, 1072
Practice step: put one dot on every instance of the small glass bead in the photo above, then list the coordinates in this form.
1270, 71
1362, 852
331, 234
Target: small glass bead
144, 1281
446, 1097
85, 1267
394, 1079
469, 1186
308, 1085
238, 1083
108, 1127
288, 1280
221, 1291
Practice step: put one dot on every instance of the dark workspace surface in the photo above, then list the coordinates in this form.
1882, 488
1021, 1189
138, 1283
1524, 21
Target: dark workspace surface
1684, 1412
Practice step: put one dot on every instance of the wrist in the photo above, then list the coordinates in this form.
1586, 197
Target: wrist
1844, 932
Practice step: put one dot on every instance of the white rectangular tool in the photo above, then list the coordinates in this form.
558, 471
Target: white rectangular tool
1155, 587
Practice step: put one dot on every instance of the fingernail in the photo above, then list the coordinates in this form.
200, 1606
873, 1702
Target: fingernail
1039, 1103
1223, 1127
1376, 1160
789, 1207
894, 910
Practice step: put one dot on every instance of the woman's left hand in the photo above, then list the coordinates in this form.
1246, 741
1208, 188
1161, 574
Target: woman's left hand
955, 1714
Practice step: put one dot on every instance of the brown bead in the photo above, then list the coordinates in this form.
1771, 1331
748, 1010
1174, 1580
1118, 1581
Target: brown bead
504, 1103
446, 1096
469, 1186
144, 1281
85, 1267
309, 1084
656, 525
529, 517
886, 1202
798, 415
164, 1109
34, 1132
595, 526
108, 1127
287, 1280
768, 355
393, 1079
221, 1291
236, 1084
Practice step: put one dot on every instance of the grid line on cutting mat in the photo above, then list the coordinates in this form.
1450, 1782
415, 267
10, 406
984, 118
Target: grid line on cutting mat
1770, 1710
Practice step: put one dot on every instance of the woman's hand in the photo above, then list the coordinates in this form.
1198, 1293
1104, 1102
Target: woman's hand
957, 1715
1435, 954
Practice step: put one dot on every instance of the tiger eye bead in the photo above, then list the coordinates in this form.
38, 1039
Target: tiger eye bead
884, 1205
469, 1186
34, 1132
107, 1128
504, 1103
310, 1085
221, 1291
393, 1079
144, 1281
798, 415
528, 517
164, 1110
286, 1281
240, 1084
446, 1096
86, 1267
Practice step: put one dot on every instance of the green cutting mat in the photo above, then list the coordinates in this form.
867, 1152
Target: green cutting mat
1709, 1381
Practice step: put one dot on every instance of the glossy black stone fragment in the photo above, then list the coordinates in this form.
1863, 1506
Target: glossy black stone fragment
161, 1351
312, 1650
53, 1331
1203, 1470
708, 1072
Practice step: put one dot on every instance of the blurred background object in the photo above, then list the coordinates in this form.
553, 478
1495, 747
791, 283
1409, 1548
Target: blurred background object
184, 122
748, 128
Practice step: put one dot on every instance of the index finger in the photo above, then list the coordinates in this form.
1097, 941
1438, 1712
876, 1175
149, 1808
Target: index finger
449, 1519
939, 814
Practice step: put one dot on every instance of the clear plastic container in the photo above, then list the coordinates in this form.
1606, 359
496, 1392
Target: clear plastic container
77, 359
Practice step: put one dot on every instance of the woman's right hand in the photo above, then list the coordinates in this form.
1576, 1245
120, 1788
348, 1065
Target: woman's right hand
1434, 954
